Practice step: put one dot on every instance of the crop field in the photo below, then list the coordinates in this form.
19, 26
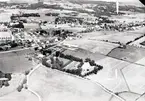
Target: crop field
134, 75
93, 45
111, 76
131, 53
62, 87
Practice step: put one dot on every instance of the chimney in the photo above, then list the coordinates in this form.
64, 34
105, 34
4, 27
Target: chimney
117, 6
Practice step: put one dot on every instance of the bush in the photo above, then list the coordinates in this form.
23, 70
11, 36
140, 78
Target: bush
27, 72
100, 67
20, 87
74, 71
80, 65
92, 63
70, 57
57, 53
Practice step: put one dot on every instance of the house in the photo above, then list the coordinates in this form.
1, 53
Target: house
6, 36
86, 68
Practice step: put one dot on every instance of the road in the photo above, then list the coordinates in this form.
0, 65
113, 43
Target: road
29, 89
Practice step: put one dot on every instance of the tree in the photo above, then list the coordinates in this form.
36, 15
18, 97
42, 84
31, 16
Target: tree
20, 87
87, 60
8, 75
57, 53
6, 83
100, 67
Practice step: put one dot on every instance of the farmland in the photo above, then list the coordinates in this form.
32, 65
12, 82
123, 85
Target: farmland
74, 89
16, 61
75, 52
16, 96
111, 76
131, 53
134, 75
93, 45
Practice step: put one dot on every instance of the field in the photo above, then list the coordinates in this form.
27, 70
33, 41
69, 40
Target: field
81, 53
114, 36
15, 61
134, 75
137, 43
141, 98
14, 83
111, 76
131, 53
72, 66
62, 87
122, 37
24, 95
128, 96
93, 45
141, 61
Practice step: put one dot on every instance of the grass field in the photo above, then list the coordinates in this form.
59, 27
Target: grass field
131, 53
56, 86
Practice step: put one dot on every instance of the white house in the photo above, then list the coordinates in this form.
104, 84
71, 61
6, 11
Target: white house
6, 36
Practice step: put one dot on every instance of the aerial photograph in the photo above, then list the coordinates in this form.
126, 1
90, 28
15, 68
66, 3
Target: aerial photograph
72, 50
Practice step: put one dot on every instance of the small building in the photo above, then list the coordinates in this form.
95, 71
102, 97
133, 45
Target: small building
6, 36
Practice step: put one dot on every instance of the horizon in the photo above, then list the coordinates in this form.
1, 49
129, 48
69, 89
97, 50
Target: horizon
133, 1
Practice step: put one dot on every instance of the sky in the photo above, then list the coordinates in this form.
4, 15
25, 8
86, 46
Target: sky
93, 0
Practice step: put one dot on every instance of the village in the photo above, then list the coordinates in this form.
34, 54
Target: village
60, 46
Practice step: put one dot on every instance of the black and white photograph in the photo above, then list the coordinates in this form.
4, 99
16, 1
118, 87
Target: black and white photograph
72, 50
